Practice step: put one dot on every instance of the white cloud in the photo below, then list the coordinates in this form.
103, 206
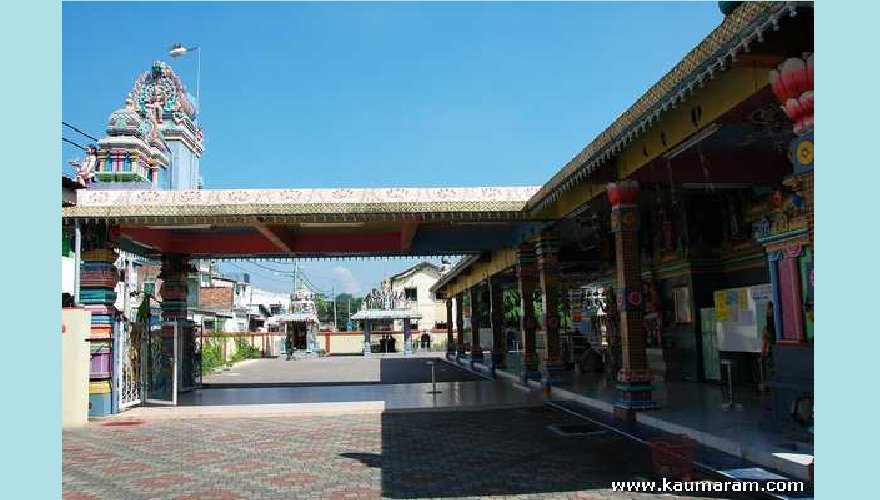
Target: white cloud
347, 281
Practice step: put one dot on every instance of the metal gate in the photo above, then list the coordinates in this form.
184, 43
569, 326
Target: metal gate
130, 383
161, 364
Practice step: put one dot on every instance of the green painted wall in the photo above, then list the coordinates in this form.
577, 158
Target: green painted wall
805, 262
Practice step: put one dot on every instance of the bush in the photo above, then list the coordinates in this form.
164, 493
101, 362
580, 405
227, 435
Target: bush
212, 356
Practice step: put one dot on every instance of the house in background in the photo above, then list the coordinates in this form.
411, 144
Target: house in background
414, 284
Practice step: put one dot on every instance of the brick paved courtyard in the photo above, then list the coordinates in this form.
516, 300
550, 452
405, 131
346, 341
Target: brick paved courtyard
393, 455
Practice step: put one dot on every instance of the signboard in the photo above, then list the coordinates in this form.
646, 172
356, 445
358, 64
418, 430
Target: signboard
721, 312
739, 318
762, 293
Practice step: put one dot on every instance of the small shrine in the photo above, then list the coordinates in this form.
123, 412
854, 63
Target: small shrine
381, 305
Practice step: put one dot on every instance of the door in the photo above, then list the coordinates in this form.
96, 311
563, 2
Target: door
161, 362
711, 358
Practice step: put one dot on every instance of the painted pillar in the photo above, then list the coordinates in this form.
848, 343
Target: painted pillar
526, 282
97, 294
634, 378
368, 346
773, 259
474, 298
496, 305
176, 269
450, 338
407, 337
459, 322
547, 250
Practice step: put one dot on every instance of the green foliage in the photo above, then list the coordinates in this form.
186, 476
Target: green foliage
512, 310
212, 356
243, 350
212, 353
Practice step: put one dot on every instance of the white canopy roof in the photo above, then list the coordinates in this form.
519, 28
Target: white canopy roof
386, 314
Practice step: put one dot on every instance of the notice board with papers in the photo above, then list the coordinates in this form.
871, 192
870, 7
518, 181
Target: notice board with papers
740, 317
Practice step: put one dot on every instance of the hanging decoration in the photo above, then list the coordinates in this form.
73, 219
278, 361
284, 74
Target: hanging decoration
792, 82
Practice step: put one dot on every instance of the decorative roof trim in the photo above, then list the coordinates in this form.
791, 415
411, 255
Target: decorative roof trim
440, 203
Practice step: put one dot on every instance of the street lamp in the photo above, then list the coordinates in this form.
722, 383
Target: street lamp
178, 50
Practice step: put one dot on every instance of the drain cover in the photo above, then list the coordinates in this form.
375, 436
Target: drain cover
570, 430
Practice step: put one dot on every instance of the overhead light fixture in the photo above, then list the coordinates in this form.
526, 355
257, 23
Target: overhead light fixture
694, 139
313, 225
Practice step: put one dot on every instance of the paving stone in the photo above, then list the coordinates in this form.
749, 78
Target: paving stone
498, 453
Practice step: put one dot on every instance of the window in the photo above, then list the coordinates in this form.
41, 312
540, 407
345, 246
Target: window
410, 294
150, 288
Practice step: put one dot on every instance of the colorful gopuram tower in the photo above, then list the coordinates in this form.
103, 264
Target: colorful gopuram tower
154, 138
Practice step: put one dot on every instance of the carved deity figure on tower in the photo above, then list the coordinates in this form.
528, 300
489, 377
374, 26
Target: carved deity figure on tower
85, 169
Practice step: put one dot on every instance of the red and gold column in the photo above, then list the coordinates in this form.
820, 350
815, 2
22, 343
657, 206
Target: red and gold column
634, 378
547, 250
526, 283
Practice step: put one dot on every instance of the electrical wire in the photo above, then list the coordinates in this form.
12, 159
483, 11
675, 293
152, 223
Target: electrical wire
78, 131
65, 139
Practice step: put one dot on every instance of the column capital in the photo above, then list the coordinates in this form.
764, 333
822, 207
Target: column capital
624, 218
547, 250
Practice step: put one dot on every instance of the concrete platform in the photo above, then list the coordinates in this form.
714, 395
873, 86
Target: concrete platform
695, 409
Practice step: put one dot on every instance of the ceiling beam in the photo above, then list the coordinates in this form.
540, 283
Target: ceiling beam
407, 233
270, 235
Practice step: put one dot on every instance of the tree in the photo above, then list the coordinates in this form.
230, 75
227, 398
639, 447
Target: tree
346, 306
324, 308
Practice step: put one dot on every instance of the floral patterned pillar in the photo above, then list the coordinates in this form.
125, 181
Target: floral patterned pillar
526, 282
547, 250
634, 378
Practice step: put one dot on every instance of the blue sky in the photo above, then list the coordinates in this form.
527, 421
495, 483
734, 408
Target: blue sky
381, 94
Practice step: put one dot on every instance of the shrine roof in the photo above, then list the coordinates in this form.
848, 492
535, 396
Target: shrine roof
385, 314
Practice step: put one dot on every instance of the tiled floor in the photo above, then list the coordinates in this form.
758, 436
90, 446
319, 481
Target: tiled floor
507, 453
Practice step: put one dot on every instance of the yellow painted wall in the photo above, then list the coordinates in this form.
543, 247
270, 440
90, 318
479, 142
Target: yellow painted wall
75, 367
346, 344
